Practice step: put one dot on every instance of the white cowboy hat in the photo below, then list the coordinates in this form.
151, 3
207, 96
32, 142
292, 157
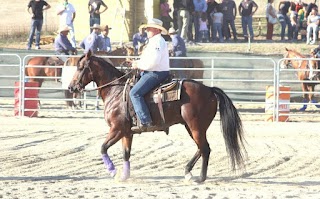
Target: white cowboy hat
155, 23
96, 26
64, 28
172, 31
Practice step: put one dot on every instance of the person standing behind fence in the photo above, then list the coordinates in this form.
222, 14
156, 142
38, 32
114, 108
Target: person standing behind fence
165, 16
284, 19
246, 12
94, 11
200, 6
203, 28
106, 43
229, 11
270, 12
211, 5
92, 42
37, 7
217, 20
67, 15
184, 8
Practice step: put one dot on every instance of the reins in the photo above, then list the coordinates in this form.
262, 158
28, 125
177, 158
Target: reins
108, 84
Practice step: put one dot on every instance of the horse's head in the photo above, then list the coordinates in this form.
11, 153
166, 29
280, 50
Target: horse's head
286, 63
83, 75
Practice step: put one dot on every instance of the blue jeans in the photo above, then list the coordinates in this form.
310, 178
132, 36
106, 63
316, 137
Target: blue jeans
36, 26
148, 81
217, 28
246, 22
284, 21
94, 20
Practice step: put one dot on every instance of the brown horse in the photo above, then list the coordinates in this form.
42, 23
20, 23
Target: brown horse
41, 70
196, 109
303, 74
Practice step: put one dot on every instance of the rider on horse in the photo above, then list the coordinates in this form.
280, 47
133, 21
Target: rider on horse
154, 62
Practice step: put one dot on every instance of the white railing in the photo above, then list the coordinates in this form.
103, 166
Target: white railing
243, 79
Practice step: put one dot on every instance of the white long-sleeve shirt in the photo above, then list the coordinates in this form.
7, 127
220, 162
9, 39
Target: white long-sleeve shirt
155, 57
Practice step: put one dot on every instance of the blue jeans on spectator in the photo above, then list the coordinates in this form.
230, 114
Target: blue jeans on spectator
284, 21
94, 20
36, 26
246, 22
217, 28
148, 81
196, 24
204, 35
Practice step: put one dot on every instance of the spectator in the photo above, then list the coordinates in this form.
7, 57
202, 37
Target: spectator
284, 19
271, 15
310, 7
37, 7
313, 26
200, 6
94, 10
67, 15
92, 42
178, 49
211, 5
246, 12
229, 11
203, 28
217, 19
302, 23
294, 22
184, 8
139, 39
106, 43
62, 44
165, 16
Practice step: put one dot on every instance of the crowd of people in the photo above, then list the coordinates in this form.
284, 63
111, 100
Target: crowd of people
193, 20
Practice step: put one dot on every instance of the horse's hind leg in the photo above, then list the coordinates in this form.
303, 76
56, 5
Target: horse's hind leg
203, 151
126, 145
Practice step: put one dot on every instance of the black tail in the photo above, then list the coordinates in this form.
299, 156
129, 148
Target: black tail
231, 128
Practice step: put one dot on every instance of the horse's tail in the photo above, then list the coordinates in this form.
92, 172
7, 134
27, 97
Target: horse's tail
231, 128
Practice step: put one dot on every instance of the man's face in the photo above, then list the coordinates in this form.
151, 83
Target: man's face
105, 32
152, 31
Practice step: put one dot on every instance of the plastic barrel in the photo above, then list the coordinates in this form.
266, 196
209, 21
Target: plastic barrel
28, 104
283, 108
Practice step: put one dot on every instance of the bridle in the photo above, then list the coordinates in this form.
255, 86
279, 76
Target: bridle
80, 86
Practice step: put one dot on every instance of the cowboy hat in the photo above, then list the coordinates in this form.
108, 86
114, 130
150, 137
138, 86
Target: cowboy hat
155, 23
107, 28
172, 31
96, 26
64, 28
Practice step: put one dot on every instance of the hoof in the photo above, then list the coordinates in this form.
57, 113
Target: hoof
113, 173
188, 176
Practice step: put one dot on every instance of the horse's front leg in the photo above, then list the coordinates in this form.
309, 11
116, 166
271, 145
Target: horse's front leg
126, 145
113, 137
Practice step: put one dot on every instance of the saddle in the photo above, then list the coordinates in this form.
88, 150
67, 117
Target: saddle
169, 90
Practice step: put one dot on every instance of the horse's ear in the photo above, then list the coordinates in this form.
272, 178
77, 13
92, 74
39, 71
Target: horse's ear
89, 54
286, 49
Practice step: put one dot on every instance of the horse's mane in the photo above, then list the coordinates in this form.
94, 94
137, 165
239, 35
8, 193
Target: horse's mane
297, 53
109, 68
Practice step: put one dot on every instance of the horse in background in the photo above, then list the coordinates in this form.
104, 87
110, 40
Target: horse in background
195, 109
303, 75
41, 70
